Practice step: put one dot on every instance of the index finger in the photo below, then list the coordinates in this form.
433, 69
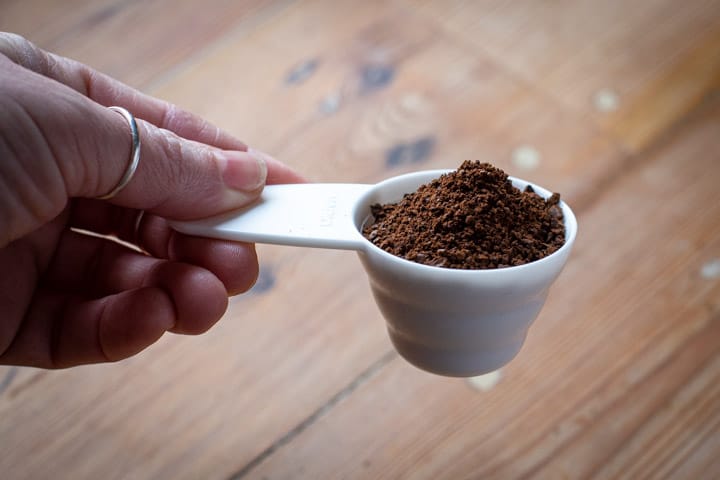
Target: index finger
107, 91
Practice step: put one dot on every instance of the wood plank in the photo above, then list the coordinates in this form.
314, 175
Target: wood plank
619, 377
667, 98
135, 41
357, 98
649, 62
384, 92
206, 407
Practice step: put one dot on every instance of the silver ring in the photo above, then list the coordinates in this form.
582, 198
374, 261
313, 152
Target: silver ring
134, 153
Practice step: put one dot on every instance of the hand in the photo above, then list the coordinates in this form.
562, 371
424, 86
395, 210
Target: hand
67, 297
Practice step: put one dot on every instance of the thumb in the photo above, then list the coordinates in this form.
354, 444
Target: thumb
175, 177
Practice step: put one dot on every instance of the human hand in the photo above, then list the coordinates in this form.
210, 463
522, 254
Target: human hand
68, 298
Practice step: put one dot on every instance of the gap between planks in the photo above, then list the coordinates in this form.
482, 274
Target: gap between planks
323, 410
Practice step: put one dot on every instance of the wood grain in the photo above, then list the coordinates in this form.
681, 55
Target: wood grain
463, 106
667, 98
619, 376
658, 59
146, 38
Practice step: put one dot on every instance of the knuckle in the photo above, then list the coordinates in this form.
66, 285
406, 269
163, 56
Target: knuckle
23, 52
188, 163
171, 147
182, 168
188, 124
13, 40
176, 119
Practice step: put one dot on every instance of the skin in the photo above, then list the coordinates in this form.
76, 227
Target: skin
70, 298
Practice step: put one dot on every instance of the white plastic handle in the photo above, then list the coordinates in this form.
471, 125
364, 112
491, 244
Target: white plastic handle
303, 215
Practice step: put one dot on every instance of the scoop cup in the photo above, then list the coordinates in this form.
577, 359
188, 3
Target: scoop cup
445, 321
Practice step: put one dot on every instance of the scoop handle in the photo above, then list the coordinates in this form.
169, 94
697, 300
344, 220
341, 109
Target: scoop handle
303, 215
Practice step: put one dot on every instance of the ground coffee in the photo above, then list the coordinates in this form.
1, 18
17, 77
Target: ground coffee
472, 218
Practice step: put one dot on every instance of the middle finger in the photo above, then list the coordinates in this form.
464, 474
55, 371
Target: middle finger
234, 263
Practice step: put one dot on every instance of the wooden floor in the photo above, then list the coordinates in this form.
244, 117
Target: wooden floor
614, 104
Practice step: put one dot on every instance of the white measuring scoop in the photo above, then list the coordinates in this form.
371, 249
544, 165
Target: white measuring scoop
446, 321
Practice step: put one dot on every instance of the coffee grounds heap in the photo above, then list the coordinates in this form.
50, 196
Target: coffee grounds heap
472, 218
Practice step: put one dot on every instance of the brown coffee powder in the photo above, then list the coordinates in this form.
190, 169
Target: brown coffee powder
472, 218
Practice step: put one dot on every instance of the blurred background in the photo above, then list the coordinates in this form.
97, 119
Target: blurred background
613, 104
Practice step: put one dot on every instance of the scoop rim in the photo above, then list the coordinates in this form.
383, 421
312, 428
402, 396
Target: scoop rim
569, 222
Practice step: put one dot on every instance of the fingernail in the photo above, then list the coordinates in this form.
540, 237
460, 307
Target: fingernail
245, 171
